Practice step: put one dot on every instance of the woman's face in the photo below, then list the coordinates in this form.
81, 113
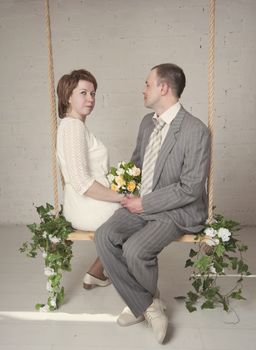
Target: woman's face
82, 99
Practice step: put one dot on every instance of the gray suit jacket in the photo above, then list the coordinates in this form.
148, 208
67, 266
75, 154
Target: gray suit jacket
180, 172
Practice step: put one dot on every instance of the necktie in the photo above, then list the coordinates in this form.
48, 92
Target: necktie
150, 157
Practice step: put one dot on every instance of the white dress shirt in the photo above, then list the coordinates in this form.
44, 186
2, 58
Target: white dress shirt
168, 117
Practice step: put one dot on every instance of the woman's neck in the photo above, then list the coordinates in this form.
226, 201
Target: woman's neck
82, 118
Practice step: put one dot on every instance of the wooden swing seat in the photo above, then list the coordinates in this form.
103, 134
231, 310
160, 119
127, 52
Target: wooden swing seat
79, 235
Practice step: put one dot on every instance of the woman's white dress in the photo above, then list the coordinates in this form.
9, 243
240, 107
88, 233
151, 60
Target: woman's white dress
83, 159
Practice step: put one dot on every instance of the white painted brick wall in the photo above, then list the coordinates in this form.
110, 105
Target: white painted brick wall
119, 41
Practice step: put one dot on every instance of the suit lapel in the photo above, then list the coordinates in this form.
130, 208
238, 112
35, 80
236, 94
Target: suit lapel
147, 132
168, 144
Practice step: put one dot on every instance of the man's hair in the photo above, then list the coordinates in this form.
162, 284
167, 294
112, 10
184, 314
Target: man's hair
67, 84
173, 75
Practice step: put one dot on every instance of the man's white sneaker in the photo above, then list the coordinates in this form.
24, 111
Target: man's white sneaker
157, 319
127, 318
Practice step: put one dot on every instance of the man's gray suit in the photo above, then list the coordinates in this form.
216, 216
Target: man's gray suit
128, 243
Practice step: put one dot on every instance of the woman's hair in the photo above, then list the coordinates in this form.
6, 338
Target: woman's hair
173, 75
67, 84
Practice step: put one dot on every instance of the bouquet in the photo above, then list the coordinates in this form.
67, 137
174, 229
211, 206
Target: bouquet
125, 178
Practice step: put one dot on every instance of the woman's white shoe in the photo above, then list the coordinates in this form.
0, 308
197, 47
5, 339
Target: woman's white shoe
91, 281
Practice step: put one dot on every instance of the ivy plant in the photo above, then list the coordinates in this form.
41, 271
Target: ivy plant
217, 250
49, 238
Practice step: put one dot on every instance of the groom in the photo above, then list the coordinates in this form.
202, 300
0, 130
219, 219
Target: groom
173, 152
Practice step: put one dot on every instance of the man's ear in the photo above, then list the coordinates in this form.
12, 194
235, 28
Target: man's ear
164, 89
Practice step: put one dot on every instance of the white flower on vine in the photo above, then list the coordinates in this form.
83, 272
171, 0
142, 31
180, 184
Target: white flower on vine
54, 239
48, 271
44, 234
44, 308
209, 231
212, 242
53, 302
224, 234
49, 286
212, 269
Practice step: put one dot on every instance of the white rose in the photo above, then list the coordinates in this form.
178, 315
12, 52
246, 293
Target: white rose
130, 172
120, 171
49, 286
110, 178
54, 239
209, 231
44, 308
135, 171
44, 234
212, 242
48, 271
224, 234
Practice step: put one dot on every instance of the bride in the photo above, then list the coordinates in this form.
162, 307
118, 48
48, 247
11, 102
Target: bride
88, 202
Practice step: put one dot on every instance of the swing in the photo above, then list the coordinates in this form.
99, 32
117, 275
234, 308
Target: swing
78, 235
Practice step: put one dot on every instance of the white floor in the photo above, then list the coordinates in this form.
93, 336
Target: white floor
87, 319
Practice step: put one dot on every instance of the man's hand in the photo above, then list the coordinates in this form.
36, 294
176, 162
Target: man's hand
133, 204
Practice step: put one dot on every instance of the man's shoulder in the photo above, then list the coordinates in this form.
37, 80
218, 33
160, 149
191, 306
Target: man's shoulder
190, 121
147, 119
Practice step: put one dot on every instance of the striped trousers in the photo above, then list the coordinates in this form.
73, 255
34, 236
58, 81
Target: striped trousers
128, 245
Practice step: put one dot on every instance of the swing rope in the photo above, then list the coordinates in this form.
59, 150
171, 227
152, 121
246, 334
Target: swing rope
211, 63
83, 235
53, 115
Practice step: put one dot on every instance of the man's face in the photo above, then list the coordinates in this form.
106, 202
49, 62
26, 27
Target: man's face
152, 91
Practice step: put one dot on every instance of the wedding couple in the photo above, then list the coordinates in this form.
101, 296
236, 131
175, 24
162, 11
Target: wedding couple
173, 152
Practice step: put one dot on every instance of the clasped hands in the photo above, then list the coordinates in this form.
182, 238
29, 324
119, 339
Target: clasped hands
132, 203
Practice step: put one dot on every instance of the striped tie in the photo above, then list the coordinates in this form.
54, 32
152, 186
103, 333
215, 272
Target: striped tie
150, 157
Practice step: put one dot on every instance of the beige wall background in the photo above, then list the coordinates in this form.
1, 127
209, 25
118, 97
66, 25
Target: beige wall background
119, 41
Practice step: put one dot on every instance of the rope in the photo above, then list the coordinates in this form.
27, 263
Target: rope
211, 58
53, 114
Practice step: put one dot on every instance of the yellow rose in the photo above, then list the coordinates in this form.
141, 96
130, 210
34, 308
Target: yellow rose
131, 186
120, 180
114, 187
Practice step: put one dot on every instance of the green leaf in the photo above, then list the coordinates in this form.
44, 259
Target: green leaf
210, 292
208, 305
197, 284
203, 263
242, 267
38, 306
192, 296
237, 295
219, 250
243, 248
190, 306
189, 262
207, 283
192, 253
234, 262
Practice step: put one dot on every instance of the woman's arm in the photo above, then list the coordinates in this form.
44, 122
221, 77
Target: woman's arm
102, 193
75, 145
